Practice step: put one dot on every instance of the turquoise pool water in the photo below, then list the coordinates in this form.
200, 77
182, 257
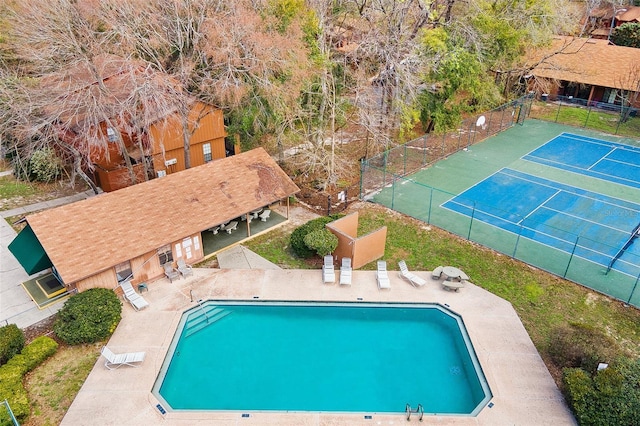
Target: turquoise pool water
336, 357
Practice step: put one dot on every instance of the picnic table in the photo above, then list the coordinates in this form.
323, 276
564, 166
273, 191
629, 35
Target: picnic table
455, 278
454, 273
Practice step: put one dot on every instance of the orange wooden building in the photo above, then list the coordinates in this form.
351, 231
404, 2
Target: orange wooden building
140, 135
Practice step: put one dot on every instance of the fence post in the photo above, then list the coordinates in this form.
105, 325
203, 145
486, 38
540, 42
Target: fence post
424, 150
633, 290
405, 160
515, 249
384, 170
622, 113
586, 120
558, 112
430, 202
393, 190
444, 136
328, 204
473, 212
573, 250
362, 160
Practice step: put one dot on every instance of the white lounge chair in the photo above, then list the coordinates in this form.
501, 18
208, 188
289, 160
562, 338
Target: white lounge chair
214, 230
137, 301
113, 361
231, 226
170, 272
345, 271
184, 269
415, 280
381, 275
265, 215
328, 270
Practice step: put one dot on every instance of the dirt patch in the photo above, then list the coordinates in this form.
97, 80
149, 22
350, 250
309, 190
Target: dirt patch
42, 328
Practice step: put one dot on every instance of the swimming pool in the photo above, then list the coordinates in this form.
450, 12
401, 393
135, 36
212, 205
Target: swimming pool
322, 357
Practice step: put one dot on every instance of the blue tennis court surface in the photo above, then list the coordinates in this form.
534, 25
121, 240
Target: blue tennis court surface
557, 215
597, 158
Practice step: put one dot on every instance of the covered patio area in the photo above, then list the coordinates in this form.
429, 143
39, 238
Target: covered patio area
213, 243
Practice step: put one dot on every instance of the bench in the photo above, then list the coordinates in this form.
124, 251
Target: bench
452, 285
231, 226
437, 273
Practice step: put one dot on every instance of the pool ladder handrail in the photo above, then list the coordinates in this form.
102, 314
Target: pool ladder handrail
418, 410
204, 312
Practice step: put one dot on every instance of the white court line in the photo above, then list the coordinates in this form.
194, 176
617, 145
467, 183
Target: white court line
553, 237
539, 206
585, 220
604, 157
580, 195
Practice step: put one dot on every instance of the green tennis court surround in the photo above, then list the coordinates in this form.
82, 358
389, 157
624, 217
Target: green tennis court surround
572, 212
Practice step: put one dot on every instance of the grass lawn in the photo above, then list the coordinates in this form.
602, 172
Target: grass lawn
15, 193
54, 384
606, 122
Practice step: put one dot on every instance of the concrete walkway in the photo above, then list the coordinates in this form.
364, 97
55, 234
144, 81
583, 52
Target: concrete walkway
16, 307
240, 257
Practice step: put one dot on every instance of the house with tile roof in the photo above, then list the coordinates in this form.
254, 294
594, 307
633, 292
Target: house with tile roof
130, 233
151, 140
588, 69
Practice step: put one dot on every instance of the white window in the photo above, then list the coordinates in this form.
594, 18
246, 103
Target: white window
111, 134
206, 150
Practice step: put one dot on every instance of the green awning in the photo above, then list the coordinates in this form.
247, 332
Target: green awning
29, 252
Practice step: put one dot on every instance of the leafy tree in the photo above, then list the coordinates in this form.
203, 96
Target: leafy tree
627, 34
45, 165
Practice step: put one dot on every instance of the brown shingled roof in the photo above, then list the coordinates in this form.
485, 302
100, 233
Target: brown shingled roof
588, 61
93, 235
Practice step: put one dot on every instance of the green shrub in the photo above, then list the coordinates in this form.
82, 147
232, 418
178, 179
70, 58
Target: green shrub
45, 165
11, 342
321, 241
88, 317
581, 346
13, 371
297, 242
610, 397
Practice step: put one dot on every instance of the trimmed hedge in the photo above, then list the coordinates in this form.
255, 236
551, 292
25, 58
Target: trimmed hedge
322, 241
11, 374
298, 244
88, 317
609, 397
11, 342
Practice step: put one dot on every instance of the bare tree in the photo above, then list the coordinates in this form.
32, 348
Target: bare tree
67, 78
225, 53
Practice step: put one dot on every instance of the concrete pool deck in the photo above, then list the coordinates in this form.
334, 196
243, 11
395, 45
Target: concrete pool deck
524, 392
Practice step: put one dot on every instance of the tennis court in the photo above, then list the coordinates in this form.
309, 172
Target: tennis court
598, 158
563, 199
556, 215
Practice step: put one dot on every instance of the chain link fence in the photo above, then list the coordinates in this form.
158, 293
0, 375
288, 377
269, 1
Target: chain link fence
378, 171
604, 117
